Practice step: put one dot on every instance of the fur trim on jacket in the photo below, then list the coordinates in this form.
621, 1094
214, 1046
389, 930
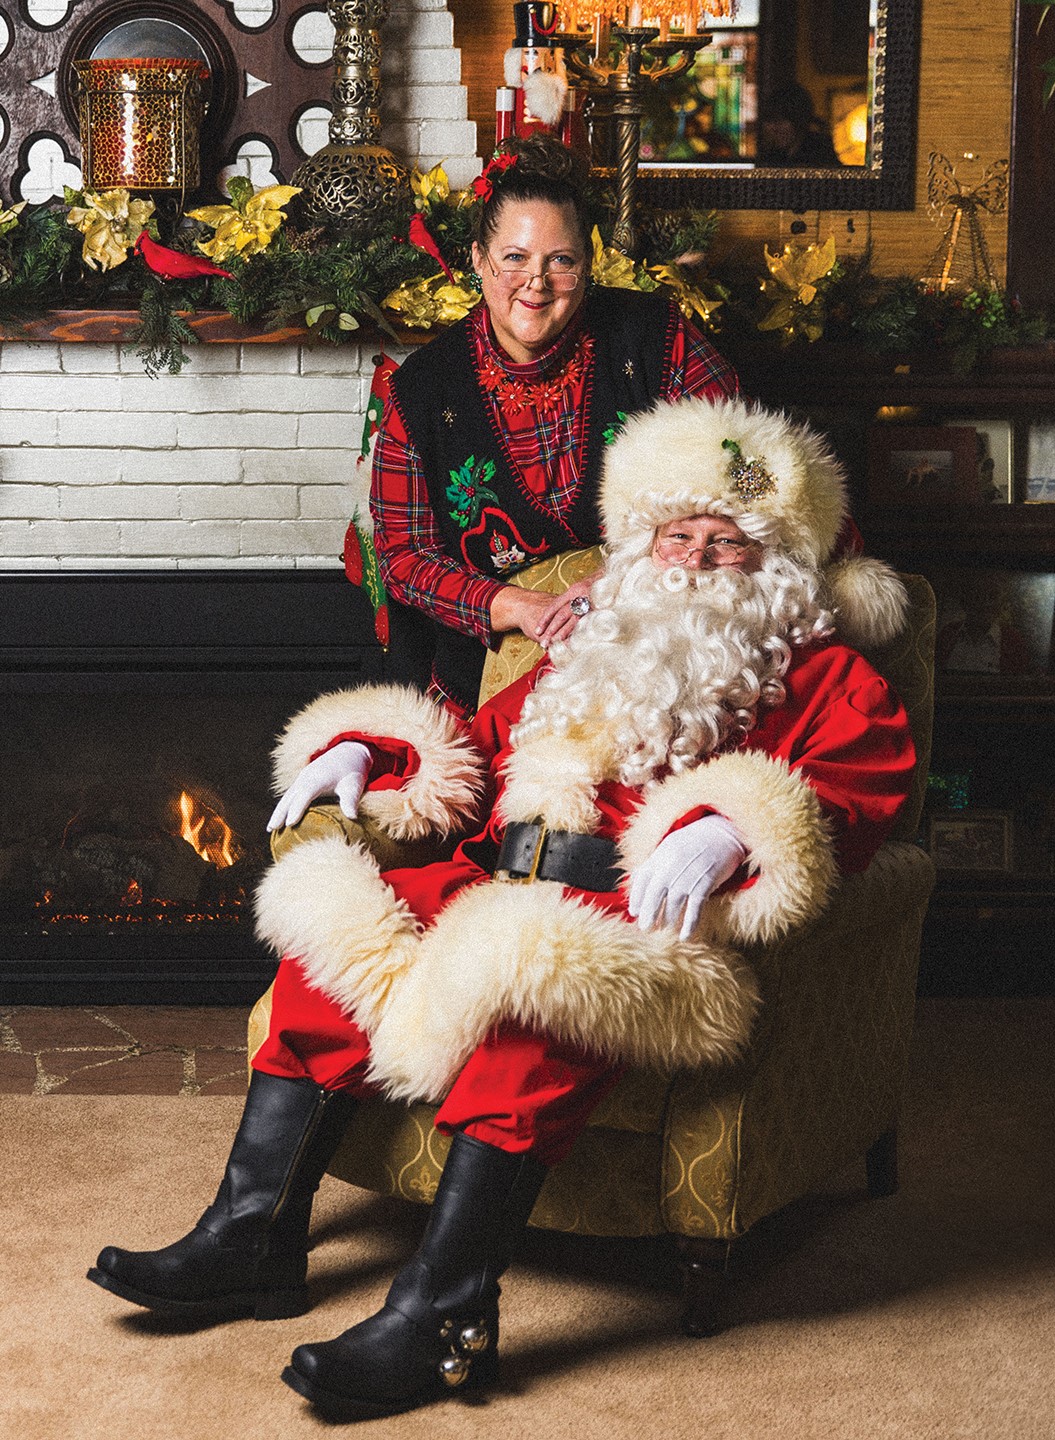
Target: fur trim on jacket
440, 797
779, 818
529, 953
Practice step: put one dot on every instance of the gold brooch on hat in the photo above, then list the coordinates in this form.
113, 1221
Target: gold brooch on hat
751, 480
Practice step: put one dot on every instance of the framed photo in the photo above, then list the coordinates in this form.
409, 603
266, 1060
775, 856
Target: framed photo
922, 465
995, 622
977, 840
1040, 464
996, 467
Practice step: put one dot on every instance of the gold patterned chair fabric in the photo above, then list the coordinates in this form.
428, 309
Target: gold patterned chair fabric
705, 1155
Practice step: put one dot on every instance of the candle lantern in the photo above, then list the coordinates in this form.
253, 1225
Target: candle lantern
140, 121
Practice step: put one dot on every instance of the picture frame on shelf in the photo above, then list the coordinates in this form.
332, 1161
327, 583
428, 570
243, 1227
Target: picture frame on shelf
922, 466
978, 841
1040, 463
993, 621
996, 461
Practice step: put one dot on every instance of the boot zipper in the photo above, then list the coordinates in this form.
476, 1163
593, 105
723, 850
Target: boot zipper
325, 1096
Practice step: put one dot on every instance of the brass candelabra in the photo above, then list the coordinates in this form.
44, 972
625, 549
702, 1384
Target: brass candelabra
351, 182
616, 87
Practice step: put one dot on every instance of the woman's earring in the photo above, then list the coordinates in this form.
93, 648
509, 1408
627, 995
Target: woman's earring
473, 281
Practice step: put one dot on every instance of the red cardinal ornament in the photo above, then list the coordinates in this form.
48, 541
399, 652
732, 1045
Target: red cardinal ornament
420, 237
173, 264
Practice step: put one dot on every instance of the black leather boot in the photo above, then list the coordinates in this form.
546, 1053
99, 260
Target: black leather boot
438, 1331
248, 1254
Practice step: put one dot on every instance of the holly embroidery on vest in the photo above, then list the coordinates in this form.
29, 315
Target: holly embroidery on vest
468, 490
609, 432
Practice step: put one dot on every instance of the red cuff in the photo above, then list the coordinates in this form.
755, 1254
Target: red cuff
392, 761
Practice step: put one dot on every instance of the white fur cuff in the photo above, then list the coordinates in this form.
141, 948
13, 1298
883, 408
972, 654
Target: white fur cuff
439, 797
779, 818
325, 904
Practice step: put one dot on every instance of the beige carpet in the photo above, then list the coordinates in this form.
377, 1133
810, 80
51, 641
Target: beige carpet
929, 1316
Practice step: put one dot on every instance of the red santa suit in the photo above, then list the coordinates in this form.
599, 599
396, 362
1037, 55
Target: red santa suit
519, 1005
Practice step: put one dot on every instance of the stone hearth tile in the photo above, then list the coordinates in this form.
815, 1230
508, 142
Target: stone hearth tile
221, 1072
17, 1073
45, 1027
187, 1026
73, 1072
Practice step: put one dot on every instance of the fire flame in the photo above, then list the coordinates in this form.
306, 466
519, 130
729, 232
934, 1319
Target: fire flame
208, 832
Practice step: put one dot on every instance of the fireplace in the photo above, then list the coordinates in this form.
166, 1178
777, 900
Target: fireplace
139, 713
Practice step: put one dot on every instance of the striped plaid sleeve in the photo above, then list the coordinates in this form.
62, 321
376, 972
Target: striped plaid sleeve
414, 566
696, 368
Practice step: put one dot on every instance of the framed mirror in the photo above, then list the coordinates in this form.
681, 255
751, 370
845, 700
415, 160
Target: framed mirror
796, 105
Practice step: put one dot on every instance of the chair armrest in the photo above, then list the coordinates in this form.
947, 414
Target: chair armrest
322, 822
823, 1075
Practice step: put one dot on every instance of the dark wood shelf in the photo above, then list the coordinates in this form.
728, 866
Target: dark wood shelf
214, 327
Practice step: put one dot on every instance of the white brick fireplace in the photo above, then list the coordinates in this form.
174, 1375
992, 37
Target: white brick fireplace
248, 458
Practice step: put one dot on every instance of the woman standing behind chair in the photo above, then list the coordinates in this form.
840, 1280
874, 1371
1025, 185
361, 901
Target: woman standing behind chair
491, 443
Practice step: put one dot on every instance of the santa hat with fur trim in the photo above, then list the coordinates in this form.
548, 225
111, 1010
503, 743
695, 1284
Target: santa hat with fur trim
778, 480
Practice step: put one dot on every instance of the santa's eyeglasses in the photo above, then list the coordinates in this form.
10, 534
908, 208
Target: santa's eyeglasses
556, 274
718, 552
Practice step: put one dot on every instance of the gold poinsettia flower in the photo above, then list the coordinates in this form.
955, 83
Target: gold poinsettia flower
429, 187
691, 299
248, 225
799, 267
9, 218
434, 300
111, 222
612, 267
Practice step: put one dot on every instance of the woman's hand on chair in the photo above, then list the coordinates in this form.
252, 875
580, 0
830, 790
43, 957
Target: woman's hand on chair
541, 617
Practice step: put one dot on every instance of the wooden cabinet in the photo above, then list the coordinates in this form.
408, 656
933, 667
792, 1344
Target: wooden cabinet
990, 816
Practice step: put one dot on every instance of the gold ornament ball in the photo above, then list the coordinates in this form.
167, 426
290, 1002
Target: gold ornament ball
350, 188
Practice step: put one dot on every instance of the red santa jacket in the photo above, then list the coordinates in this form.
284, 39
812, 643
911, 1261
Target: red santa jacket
430, 957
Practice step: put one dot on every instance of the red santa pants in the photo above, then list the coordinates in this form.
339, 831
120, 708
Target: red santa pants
519, 1090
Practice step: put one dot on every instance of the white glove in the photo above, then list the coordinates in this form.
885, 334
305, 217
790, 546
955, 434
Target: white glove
342, 771
682, 871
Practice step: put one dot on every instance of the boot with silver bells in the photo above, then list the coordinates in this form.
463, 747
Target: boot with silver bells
437, 1333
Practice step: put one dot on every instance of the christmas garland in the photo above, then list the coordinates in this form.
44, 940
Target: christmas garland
253, 259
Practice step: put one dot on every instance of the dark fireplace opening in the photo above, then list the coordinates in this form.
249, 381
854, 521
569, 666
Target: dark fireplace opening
139, 716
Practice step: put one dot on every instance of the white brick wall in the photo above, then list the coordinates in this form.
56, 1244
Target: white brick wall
249, 457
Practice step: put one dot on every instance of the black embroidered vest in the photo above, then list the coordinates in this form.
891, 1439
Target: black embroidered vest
490, 521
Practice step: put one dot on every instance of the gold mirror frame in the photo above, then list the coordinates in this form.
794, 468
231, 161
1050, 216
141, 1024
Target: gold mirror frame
887, 183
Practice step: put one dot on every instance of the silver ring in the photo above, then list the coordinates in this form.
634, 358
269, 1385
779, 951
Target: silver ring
579, 606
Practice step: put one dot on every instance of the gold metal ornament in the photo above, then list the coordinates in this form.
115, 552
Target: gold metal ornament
751, 480
474, 1339
454, 1370
961, 208
351, 183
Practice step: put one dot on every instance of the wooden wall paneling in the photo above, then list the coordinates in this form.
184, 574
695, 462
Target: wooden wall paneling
483, 31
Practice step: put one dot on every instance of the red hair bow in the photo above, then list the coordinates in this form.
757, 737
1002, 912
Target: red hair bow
483, 186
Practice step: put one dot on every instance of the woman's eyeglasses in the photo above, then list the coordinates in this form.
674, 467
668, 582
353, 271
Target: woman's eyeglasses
718, 552
556, 275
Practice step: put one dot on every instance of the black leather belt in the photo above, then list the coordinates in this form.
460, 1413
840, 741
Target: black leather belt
530, 851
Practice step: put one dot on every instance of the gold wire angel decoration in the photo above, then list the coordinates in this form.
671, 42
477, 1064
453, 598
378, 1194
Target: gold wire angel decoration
969, 266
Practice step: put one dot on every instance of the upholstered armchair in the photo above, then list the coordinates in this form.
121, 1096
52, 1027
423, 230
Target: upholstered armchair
704, 1155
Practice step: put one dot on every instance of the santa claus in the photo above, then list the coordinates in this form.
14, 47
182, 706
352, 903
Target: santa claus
687, 774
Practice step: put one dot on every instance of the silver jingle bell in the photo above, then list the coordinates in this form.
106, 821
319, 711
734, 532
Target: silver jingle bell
454, 1370
474, 1339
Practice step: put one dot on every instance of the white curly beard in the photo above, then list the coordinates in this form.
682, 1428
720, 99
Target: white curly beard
671, 664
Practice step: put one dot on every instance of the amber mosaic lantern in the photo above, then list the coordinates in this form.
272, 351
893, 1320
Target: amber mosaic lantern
140, 122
